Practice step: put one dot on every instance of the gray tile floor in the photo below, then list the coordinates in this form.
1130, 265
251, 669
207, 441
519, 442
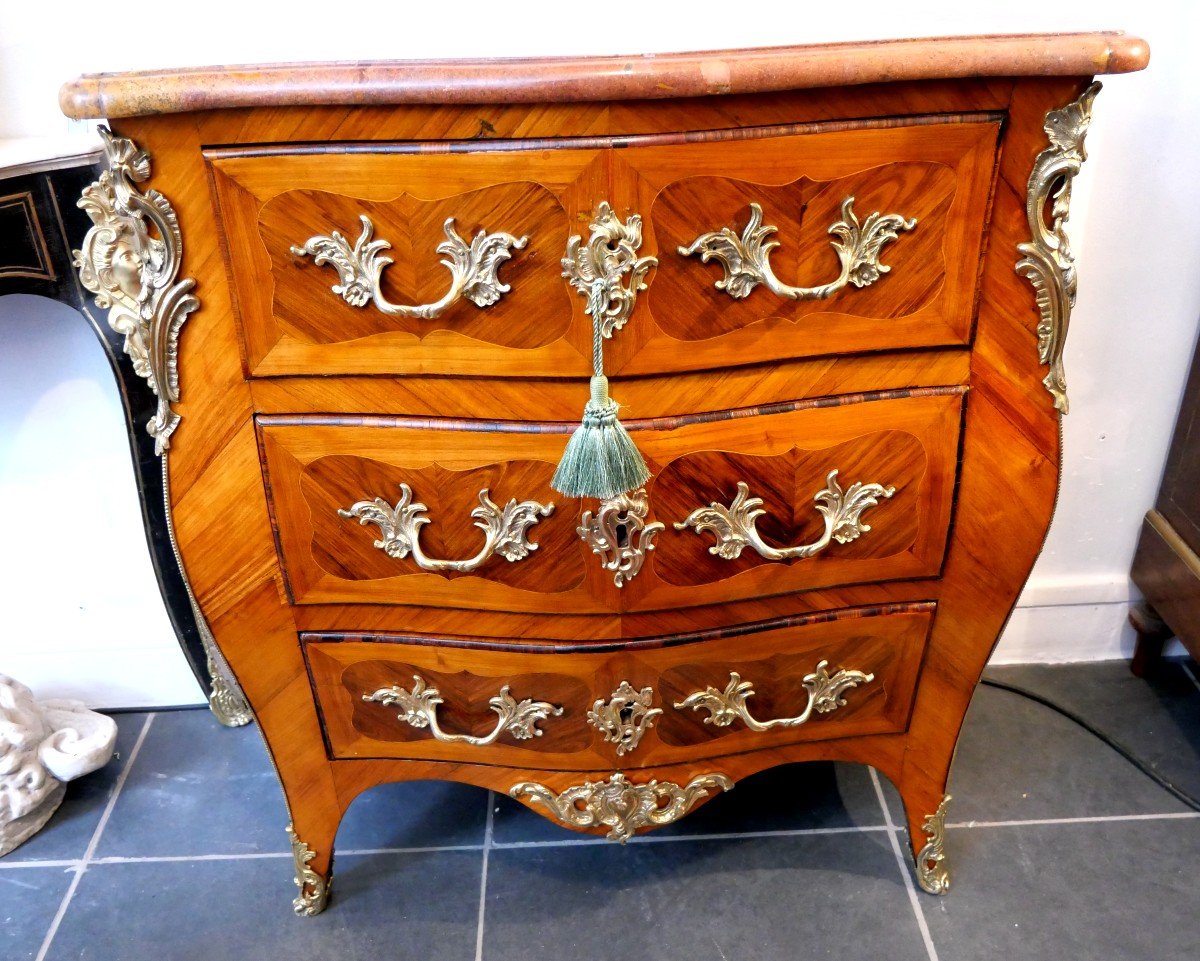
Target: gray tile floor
1059, 849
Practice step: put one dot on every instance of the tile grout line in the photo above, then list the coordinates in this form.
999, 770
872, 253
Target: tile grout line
483, 874
1094, 819
573, 842
270, 855
670, 838
902, 862
731, 835
82, 866
1188, 671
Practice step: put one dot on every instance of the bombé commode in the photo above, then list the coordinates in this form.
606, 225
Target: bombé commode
827, 291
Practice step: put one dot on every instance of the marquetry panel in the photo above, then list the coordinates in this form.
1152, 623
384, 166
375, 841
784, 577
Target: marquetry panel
787, 484
535, 313
317, 468
931, 169
689, 307
293, 323
907, 440
318, 465
775, 656
939, 173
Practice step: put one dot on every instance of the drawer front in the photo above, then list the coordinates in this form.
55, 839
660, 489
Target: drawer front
461, 514
912, 284
664, 701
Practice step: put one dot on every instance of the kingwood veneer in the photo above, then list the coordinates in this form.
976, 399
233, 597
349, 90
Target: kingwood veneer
332, 447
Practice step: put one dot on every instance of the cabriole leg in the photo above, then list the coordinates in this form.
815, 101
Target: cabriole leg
932, 874
922, 792
313, 884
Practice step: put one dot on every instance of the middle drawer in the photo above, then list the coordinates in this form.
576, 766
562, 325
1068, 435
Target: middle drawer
742, 503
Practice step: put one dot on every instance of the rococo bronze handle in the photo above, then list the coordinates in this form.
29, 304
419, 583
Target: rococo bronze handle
418, 707
725, 707
474, 268
505, 529
747, 259
735, 527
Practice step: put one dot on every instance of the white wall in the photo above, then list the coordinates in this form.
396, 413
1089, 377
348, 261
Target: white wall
1134, 226
80, 612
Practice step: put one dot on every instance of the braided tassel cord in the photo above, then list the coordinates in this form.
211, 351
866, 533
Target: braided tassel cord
601, 459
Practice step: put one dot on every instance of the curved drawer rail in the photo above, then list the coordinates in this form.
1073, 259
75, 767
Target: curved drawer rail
747, 259
474, 268
418, 707
727, 706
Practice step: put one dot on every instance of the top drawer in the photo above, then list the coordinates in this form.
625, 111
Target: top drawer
935, 172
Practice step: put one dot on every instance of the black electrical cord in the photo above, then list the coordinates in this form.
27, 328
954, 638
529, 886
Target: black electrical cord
1129, 756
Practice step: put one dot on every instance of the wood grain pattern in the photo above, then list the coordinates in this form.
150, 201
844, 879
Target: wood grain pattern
413, 226
1166, 570
1166, 566
316, 466
449, 127
1007, 454
887, 642
938, 171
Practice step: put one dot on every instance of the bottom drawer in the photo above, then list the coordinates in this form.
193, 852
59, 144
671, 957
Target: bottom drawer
634, 704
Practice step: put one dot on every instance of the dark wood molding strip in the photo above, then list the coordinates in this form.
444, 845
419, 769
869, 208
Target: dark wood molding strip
540, 427
605, 647
576, 79
615, 142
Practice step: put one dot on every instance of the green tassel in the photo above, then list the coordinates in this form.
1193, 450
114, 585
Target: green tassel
601, 459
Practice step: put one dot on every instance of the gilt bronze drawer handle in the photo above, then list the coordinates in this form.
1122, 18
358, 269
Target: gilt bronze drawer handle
474, 268
505, 530
735, 526
620, 805
725, 707
418, 707
747, 259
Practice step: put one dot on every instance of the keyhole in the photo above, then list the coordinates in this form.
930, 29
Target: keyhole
626, 715
622, 535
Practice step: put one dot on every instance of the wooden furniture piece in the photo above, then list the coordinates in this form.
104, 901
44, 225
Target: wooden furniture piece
838, 283
39, 184
1166, 567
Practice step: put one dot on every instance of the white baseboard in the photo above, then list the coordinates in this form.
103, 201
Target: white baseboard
131, 677
1062, 620
1080, 590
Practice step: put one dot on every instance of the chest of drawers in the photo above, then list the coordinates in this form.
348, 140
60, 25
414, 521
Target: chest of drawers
837, 281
